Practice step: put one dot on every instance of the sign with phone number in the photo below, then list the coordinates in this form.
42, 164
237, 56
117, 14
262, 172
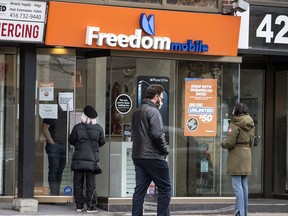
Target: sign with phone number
268, 28
32, 11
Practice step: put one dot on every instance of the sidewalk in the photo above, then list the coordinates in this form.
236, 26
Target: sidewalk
257, 207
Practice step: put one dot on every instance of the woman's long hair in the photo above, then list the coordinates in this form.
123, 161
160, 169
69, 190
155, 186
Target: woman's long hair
240, 108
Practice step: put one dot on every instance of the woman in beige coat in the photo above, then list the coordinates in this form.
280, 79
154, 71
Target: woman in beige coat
240, 139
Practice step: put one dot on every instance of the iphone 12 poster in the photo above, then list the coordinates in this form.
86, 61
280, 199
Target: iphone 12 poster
143, 82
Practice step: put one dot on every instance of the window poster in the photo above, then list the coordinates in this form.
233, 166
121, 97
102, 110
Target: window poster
143, 82
48, 111
200, 107
46, 91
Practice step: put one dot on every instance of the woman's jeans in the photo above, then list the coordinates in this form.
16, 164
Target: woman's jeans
240, 185
148, 170
57, 161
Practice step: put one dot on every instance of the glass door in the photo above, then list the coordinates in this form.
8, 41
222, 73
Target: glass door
280, 130
252, 96
55, 106
66, 83
128, 81
91, 89
8, 121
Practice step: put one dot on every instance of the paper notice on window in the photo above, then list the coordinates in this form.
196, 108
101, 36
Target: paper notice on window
48, 111
46, 91
66, 100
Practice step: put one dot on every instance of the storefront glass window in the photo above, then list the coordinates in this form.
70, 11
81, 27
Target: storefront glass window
200, 159
63, 80
281, 133
252, 96
55, 96
197, 162
128, 80
90, 84
8, 124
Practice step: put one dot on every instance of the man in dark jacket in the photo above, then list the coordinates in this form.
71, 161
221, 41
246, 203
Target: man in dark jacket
87, 137
149, 152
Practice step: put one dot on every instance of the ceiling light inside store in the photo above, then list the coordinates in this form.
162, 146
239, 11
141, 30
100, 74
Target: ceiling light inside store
60, 51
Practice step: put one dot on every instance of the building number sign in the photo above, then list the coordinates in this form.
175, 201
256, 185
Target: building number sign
264, 30
268, 28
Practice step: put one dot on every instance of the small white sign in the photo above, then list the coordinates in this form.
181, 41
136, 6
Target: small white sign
46, 91
123, 103
225, 125
48, 111
65, 99
32, 11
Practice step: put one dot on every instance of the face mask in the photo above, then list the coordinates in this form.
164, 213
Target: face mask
159, 103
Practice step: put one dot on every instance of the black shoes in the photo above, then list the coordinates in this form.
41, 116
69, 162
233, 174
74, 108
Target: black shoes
79, 208
238, 214
92, 209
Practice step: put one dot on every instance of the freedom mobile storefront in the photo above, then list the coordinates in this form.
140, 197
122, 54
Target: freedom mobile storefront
107, 56
118, 52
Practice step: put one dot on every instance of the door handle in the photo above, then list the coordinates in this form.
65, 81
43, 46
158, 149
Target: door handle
67, 133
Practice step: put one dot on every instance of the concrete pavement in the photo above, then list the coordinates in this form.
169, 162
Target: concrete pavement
257, 207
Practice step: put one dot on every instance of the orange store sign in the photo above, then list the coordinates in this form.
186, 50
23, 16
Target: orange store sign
107, 27
200, 107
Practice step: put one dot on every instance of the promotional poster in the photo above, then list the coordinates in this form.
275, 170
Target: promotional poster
200, 107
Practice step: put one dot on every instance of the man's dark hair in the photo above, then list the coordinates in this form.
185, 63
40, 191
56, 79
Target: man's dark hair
240, 108
154, 89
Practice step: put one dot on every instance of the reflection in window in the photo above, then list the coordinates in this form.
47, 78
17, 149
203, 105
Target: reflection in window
198, 171
195, 3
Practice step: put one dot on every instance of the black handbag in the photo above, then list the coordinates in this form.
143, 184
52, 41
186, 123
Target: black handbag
98, 168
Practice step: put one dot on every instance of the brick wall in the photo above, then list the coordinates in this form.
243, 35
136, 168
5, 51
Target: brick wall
227, 7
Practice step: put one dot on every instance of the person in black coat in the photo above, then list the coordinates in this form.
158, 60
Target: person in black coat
87, 137
150, 151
